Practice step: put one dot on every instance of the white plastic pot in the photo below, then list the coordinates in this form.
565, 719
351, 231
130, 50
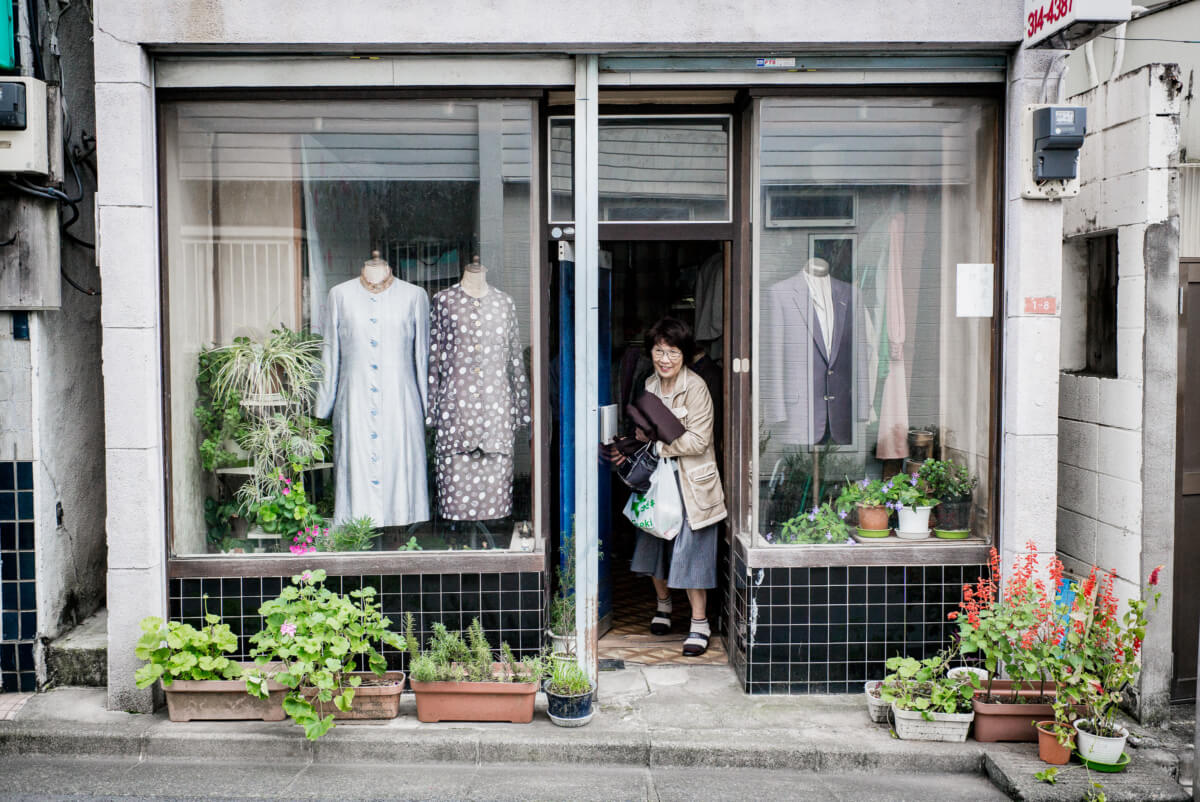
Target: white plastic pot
875, 706
1099, 748
948, 727
914, 522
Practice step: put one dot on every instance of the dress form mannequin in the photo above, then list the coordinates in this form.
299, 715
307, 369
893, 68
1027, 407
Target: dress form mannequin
376, 273
474, 279
816, 272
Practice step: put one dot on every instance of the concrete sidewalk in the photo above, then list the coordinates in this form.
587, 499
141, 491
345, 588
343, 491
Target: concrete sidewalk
668, 716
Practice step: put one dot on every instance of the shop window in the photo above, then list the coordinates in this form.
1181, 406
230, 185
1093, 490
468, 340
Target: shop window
651, 169
866, 369
349, 290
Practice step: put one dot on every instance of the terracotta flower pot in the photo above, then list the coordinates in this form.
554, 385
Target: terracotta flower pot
1008, 721
1049, 749
222, 700
874, 517
475, 701
381, 699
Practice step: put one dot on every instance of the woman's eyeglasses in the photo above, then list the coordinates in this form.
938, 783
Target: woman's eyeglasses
669, 356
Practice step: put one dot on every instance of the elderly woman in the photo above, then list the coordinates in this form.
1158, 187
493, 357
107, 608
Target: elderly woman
690, 560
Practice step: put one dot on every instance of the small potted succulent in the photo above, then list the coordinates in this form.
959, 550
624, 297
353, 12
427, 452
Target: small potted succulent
569, 695
868, 497
198, 676
952, 485
459, 679
928, 705
327, 645
907, 495
821, 525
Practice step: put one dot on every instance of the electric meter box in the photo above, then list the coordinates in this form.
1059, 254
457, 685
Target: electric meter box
23, 124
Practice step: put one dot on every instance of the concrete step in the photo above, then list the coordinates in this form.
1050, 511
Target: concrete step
80, 658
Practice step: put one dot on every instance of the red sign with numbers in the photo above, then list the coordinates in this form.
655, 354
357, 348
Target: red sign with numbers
1041, 306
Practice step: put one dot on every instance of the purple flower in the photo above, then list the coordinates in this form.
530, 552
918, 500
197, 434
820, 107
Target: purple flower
812, 516
287, 628
828, 535
842, 514
863, 484
913, 480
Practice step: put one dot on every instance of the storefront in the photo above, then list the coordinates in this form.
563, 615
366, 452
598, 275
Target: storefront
829, 227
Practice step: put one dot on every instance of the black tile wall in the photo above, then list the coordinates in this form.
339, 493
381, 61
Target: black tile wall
509, 605
828, 630
18, 582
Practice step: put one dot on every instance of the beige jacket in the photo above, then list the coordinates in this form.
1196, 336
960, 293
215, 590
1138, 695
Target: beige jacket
703, 498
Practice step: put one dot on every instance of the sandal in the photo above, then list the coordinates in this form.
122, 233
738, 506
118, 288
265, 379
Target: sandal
660, 624
696, 644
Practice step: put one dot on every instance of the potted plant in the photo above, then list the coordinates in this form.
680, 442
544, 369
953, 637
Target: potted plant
928, 705
952, 485
326, 644
912, 503
821, 525
199, 679
357, 534
457, 679
278, 374
868, 497
569, 695
877, 706
1017, 630
1105, 644
283, 513
561, 626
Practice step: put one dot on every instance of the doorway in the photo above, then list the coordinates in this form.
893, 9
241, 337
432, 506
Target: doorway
1187, 504
649, 280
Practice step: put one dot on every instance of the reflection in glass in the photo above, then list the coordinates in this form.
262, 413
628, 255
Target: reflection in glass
273, 211
669, 169
863, 365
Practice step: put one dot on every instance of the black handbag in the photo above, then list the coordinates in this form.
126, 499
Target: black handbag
635, 471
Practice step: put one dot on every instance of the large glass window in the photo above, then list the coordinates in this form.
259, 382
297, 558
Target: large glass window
652, 170
875, 241
349, 325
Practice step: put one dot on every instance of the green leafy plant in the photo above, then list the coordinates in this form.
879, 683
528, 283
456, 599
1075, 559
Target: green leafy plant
907, 491
320, 637
411, 545
946, 480
1049, 775
922, 685
218, 520
568, 679
281, 373
175, 650
449, 657
358, 534
222, 421
867, 492
281, 448
820, 525
286, 512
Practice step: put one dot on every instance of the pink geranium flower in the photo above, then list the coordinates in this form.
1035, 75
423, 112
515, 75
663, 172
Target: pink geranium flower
288, 628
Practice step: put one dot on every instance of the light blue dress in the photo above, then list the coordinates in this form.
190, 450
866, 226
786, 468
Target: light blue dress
374, 387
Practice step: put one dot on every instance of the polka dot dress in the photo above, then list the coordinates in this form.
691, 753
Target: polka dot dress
478, 398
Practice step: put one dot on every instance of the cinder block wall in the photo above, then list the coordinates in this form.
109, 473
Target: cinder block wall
1116, 454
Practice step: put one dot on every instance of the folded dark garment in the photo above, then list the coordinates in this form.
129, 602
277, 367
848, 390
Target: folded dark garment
652, 416
627, 445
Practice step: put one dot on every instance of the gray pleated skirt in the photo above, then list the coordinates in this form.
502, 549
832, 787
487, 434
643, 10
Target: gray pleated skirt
688, 561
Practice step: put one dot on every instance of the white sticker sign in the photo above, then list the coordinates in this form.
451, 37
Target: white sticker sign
973, 290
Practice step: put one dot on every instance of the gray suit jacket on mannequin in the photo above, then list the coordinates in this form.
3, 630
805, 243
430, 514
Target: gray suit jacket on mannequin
804, 389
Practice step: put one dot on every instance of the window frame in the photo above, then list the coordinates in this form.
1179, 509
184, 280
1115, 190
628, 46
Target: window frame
745, 507
282, 564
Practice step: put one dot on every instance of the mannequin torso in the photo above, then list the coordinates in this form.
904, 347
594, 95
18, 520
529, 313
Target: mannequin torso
376, 274
474, 279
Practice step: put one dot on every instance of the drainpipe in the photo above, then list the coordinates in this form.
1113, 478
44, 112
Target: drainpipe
24, 45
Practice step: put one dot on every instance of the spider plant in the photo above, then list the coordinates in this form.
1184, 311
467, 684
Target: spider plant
277, 375
281, 447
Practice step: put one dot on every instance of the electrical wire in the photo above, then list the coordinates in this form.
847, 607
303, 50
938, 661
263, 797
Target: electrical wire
1149, 39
